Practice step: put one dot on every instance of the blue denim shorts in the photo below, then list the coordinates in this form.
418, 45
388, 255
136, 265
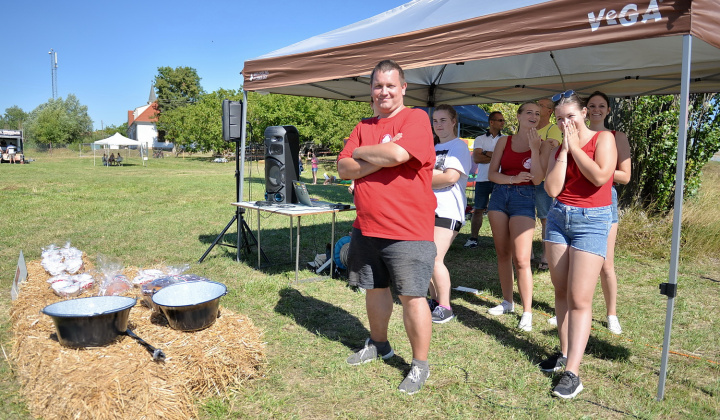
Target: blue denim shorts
585, 229
615, 217
543, 201
513, 200
482, 194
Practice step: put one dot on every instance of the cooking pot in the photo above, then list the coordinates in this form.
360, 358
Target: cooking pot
190, 305
91, 321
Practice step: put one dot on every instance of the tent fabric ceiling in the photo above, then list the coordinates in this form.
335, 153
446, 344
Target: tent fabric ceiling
467, 52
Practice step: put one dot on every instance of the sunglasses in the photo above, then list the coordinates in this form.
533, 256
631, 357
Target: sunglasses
566, 94
498, 120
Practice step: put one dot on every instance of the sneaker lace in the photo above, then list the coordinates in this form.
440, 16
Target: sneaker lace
361, 354
414, 374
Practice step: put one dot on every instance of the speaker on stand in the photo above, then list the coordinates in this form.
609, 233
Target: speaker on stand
282, 165
233, 119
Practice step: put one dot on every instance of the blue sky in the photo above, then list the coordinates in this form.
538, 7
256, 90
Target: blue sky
109, 51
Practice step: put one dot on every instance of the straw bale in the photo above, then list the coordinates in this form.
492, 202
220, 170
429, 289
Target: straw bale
120, 380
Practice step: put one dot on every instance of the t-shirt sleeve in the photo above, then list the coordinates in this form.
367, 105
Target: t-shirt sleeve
555, 133
352, 143
458, 158
417, 136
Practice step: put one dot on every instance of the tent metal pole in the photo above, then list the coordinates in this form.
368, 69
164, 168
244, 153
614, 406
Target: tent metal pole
243, 136
670, 288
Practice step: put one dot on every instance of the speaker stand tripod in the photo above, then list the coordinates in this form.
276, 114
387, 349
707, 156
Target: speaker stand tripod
245, 238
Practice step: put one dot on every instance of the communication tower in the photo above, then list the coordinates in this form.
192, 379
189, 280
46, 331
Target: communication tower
53, 71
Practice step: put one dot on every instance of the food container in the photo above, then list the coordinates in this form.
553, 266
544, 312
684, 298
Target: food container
191, 305
91, 321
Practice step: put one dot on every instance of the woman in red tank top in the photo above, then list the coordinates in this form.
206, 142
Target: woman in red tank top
515, 169
598, 110
579, 175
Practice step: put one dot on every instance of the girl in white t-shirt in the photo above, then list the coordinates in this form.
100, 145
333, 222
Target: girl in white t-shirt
452, 166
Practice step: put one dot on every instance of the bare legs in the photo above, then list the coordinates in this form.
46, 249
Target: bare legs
543, 224
476, 222
574, 275
416, 317
513, 244
440, 282
608, 278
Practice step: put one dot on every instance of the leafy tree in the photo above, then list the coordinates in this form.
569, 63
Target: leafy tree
13, 119
177, 87
324, 122
651, 123
59, 121
198, 126
109, 131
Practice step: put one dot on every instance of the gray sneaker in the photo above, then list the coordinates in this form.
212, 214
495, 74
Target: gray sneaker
568, 387
414, 380
442, 315
471, 243
368, 354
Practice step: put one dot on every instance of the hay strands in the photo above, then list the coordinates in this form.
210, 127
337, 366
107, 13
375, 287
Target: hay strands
157, 354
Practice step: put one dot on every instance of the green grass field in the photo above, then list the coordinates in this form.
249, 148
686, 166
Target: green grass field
169, 212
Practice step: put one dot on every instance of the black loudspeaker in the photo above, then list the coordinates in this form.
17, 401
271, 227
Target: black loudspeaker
231, 119
282, 150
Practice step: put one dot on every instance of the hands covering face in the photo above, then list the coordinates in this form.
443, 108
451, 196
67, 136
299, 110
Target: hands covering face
570, 133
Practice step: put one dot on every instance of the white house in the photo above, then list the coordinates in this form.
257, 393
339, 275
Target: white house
142, 122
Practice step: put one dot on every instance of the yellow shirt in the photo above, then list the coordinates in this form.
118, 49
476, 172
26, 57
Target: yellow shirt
551, 131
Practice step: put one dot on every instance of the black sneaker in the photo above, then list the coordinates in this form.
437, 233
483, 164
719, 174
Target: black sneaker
414, 380
441, 315
568, 387
554, 363
432, 303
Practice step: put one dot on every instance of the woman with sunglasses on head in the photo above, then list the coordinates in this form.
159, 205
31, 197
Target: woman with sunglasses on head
598, 110
452, 166
515, 169
579, 176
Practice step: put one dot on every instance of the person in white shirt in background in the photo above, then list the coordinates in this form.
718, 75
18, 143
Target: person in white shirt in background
482, 153
450, 175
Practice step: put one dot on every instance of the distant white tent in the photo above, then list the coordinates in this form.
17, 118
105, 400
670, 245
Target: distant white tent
118, 139
115, 141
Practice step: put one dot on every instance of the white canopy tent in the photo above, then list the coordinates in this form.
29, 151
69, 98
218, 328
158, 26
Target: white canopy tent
467, 52
115, 141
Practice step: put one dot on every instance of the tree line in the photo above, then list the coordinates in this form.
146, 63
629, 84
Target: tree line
191, 118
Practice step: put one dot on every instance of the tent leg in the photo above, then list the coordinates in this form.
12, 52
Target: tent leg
677, 216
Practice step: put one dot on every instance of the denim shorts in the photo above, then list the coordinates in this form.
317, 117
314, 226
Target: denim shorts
513, 200
482, 194
543, 201
615, 217
585, 229
376, 263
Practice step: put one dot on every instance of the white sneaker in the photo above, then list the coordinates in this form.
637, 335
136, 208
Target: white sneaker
504, 308
613, 324
553, 321
525, 323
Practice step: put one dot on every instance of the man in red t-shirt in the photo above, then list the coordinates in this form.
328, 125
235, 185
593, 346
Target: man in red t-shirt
391, 157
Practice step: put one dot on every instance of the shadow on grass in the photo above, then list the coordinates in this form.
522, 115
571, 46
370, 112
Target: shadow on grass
329, 321
321, 318
502, 334
605, 350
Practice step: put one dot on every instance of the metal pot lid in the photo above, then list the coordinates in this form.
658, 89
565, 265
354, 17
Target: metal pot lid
89, 306
189, 293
